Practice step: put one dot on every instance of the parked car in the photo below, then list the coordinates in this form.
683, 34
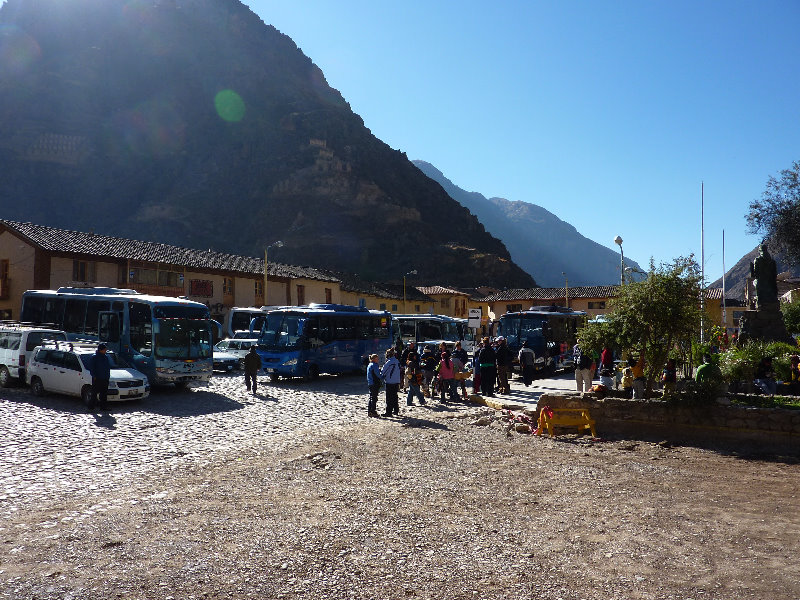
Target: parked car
61, 367
237, 347
17, 343
224, 360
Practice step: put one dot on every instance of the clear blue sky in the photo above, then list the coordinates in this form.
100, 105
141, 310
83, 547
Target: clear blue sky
608, 114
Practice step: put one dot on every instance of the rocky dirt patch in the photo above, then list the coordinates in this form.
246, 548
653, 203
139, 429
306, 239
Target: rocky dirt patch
433, 506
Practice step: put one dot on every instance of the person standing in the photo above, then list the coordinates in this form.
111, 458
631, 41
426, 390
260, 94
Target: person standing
100, 369
252, 365
670, 376
527, 361
583, 368
415, 378
428, 363
503, 365
374, 385
639, 380
487, 359
390, 373
459, 354
409, 352
447, 379
607, 359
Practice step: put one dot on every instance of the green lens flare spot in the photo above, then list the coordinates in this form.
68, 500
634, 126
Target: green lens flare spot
229, 105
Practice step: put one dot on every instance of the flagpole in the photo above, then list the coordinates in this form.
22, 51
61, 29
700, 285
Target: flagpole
702, 264
724, 315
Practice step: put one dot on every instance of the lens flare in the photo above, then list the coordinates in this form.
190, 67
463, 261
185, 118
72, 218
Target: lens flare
230, 106
18, 50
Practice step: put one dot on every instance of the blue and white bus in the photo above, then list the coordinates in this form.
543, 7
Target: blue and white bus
304, 341
551, 332
432, 330
168, 339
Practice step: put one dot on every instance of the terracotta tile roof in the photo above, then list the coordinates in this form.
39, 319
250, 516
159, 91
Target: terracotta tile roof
437, 289
544, 294
352, 283
103, 246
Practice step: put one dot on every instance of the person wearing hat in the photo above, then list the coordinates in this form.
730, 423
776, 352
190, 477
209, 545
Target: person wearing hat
100, 368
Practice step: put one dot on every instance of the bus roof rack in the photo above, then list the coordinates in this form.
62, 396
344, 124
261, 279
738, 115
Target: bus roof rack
551, 308
339, 307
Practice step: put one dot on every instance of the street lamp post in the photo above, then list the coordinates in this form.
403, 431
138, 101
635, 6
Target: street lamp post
414, 272
277, 244
566, 288
618, 242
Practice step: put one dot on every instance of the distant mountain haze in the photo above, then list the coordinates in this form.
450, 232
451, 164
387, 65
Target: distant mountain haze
193, 123
539, 242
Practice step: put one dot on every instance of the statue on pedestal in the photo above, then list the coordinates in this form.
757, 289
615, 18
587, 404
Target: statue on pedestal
765, 278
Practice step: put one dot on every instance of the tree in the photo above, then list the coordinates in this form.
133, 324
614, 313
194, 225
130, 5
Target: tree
791, 316
776, 215
653, 315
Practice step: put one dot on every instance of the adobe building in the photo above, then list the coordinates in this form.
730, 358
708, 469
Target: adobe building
38, 257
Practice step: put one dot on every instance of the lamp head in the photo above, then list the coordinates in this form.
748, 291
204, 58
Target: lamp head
618, 241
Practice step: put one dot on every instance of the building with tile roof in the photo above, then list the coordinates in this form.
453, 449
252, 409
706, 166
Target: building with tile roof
39, 257
592, 299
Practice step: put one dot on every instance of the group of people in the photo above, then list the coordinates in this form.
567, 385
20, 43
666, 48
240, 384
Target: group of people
442, 373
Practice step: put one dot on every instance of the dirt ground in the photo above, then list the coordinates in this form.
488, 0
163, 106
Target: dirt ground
433, 507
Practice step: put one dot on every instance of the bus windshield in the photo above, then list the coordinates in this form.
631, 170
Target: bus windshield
281, 332
183, 338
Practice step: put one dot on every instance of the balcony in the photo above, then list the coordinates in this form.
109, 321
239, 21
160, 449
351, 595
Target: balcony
5, 288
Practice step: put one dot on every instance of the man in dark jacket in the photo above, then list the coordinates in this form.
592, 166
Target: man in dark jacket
487, 359
252, 365
100, 368
503, 365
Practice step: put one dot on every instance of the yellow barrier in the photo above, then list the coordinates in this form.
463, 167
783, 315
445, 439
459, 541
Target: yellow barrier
565, 417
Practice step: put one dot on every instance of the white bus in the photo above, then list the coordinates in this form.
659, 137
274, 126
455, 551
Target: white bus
168, 339
432, 330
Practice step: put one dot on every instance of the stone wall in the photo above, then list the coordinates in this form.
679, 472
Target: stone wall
757, 429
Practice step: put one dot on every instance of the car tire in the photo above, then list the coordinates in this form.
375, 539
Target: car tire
5, 377
273, 377
86, 395
37, 387
313, 373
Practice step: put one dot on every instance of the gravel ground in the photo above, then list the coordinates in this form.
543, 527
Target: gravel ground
429, 505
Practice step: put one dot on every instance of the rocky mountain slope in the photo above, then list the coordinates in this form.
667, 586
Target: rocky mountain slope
539, 242
194, 123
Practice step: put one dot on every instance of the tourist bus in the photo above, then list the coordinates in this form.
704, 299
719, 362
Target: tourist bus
432, 330
304, 341
168, 339
551, 332
240, 319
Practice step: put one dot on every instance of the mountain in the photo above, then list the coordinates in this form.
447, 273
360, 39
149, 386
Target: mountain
194, 123
736, 276
539, 242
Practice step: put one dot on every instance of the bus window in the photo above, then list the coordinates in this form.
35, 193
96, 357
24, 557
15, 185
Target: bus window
74, 315
345, 328
93, 310
32, 309
363, 328
54, 312
141, 327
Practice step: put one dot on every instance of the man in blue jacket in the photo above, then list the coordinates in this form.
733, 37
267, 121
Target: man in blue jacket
100, 368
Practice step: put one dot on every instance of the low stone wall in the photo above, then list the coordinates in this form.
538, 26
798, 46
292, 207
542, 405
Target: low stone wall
759, 429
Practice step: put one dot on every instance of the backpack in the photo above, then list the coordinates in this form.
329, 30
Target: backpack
585, 361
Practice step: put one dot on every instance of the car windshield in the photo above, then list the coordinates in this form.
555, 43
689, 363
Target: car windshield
223, 345
183, 338
281, 332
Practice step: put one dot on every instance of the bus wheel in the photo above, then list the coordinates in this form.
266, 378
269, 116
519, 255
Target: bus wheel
5, 377
36, 387
86, 395
313, 373
273, 377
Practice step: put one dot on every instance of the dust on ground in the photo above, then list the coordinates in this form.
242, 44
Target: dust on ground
427, 506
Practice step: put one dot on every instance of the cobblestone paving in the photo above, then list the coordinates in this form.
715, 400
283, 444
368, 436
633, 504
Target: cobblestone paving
52, 448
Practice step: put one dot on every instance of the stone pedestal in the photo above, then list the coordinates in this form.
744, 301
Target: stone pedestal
765, 323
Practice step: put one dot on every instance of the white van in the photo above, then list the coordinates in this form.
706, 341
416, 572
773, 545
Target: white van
17, 343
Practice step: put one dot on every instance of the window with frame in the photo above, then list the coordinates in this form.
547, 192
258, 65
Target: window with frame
170, 279
513, 307
445, 302
301, 295
416, 308
328, 296
144, 276
84, 270
258, 288
382, 306
597, 305
227, 286
394, 307
4, 263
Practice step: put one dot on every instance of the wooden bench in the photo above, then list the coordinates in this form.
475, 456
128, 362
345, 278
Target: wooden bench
565, 417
